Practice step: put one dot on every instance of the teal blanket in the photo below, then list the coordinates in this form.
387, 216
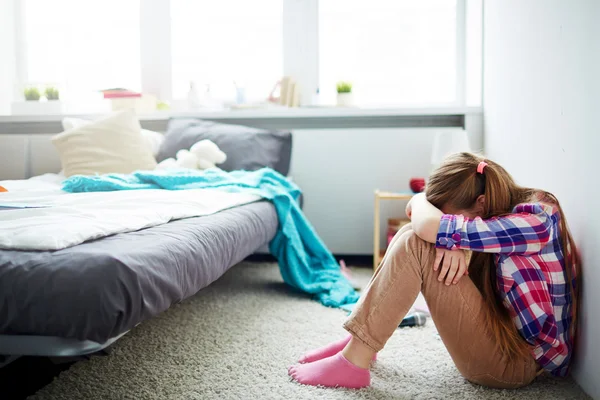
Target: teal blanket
304, 260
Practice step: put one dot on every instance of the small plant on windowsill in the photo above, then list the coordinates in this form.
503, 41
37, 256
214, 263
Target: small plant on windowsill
52, 93
31, 94
344, 94
49, 105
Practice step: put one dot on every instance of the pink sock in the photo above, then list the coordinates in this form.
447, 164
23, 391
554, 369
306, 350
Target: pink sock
327, 351
334, 371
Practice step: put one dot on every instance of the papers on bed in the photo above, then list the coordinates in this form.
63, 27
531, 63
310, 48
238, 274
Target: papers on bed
54, 220
20, 206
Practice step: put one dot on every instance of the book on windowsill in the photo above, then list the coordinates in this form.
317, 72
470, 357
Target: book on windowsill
119, 93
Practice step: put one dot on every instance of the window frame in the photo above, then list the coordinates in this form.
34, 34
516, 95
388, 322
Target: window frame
300, 47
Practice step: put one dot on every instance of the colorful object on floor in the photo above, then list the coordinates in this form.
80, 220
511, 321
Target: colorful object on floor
415, 317
348, 274
3, 189
417, 185
304, 261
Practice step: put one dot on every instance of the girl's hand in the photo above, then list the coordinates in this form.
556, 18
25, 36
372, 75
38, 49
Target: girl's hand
453, 265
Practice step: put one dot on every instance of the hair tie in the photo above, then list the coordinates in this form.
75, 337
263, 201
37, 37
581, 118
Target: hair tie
481, 166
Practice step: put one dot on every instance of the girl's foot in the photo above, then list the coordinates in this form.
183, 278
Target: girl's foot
327, 351
334, 371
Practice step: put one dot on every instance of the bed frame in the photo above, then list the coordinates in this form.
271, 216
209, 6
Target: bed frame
15, 346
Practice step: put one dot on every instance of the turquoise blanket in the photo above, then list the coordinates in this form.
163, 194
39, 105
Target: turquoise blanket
304, 260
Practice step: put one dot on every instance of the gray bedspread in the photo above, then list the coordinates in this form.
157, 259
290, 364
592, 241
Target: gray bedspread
97, 290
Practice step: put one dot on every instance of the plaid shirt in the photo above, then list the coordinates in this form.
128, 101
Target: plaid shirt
531, 274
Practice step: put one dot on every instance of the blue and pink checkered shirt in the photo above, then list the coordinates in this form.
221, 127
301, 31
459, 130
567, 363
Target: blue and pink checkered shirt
531, 274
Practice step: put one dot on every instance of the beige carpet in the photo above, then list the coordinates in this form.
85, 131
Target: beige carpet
235, 339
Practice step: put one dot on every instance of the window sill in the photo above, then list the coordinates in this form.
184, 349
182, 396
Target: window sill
284, 118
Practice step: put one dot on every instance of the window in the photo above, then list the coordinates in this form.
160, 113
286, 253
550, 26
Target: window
473, 53
394, 52
82, 46
227, 43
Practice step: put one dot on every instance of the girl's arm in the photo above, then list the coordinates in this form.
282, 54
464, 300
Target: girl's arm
526, 231
425, 218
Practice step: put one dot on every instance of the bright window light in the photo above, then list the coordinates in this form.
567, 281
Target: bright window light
83, 46
474, 53
224, 44
395, 52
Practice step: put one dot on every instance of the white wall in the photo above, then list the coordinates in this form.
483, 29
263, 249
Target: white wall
7, 55
24, 156
541, 107
339, 170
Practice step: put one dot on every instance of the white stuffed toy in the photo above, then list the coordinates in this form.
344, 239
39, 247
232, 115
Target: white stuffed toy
202, 155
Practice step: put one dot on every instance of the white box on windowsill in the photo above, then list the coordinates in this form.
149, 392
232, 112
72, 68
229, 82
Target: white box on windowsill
50, 107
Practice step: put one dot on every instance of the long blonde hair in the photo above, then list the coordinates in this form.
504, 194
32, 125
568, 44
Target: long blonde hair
457, 183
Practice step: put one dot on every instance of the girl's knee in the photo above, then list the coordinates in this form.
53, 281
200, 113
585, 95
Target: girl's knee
406, 242
406, 239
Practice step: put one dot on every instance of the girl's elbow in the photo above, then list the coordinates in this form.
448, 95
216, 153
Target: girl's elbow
428, 229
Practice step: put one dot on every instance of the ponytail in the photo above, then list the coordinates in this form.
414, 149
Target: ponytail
498, 199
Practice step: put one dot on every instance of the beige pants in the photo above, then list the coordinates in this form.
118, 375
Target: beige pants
457, 310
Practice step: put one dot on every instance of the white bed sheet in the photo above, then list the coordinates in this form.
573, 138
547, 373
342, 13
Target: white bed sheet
67, 219
44, 182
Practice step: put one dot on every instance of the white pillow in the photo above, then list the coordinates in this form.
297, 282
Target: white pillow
154, 139
113, 144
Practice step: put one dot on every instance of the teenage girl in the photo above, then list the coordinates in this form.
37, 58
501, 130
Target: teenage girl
499, 271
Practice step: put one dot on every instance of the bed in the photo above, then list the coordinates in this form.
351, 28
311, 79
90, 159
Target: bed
80, 299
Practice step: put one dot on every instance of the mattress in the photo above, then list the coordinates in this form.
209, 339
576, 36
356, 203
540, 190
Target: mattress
100, 289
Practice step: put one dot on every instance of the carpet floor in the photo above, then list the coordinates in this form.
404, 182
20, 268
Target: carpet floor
236, 338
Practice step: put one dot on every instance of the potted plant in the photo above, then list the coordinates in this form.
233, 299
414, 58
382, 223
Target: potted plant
35, 104
52, 93
344, 94
53, 105
31, 94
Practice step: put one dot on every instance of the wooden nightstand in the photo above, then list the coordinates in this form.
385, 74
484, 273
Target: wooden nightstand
379, 195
